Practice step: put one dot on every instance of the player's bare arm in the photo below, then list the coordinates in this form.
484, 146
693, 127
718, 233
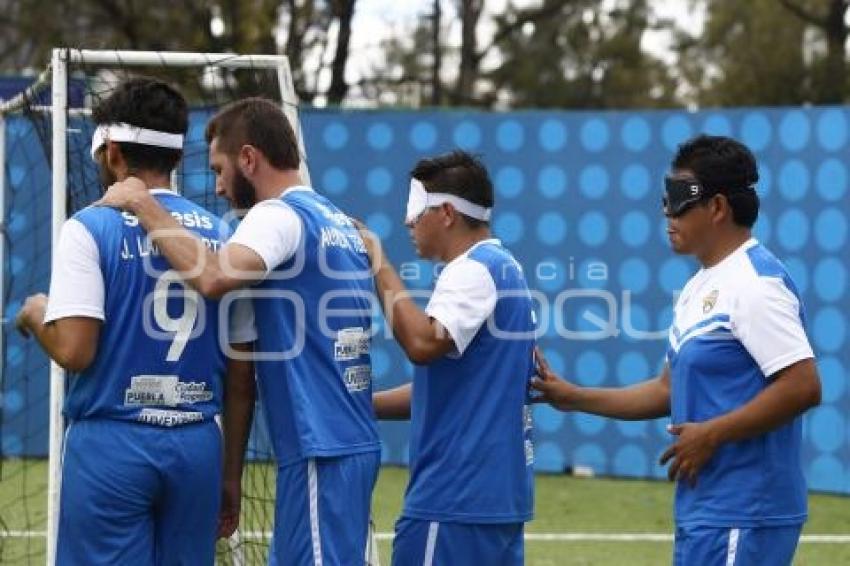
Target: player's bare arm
211, 274
71, 342
647, 400
393, 404
421, 337
239, 398
792, 392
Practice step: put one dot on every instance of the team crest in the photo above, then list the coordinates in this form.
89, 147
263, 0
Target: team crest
709, 301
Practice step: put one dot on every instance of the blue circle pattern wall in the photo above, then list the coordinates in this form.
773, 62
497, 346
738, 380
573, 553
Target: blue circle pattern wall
578, 202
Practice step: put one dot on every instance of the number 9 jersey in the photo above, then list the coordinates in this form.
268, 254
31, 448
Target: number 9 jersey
158, 357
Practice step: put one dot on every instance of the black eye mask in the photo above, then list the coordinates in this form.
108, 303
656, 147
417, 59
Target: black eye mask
680, 195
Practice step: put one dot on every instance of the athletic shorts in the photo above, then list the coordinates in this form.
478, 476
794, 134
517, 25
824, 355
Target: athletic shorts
431, 543
322, 510
759, 546
139, 494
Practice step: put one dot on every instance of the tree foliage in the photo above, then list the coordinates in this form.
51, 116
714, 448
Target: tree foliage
579, 54
767, 52
543, 53
29, 29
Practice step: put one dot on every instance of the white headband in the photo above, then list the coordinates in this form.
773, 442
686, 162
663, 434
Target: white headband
420, 200
133, 134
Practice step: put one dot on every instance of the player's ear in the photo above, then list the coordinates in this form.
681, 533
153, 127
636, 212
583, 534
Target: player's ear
720, 208
114, 159
449, 214
247, 159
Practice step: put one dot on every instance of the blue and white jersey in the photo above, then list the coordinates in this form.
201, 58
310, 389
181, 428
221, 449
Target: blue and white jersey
735, 325
158, 358
471, 453
314, 315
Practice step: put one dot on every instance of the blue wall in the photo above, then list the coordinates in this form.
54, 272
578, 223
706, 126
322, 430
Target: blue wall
577, 199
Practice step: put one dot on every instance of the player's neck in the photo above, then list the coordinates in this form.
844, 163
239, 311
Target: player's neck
461, 244
276, 182
724, 246
151, 180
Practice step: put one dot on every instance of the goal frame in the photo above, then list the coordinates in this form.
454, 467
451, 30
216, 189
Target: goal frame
56, 76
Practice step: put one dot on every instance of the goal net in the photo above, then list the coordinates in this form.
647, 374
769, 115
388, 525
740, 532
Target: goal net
48, 174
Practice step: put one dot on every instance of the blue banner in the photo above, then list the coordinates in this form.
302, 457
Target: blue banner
578, 201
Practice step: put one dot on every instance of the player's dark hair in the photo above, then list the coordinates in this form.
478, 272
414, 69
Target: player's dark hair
146, 103
257, 122
457, 173
724, 166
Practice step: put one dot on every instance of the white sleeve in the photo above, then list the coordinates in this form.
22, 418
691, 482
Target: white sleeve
272, 229
463, 299
76, 282
768, 323
241, 327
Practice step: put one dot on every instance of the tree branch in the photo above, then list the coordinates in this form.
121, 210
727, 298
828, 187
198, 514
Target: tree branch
119, 17
339, 88
803, 14
535, 15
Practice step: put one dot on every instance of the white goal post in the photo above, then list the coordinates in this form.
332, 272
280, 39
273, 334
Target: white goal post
56, 75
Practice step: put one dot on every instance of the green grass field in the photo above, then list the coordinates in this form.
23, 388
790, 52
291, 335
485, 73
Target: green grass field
563, 505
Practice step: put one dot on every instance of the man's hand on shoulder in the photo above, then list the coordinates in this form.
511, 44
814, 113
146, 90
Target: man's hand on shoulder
371, 242
125, 194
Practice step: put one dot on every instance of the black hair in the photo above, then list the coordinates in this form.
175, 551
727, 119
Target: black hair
724, 166
146, 103
457, 173
258, 122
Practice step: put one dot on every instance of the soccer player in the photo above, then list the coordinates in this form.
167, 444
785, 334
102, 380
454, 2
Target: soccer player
739, 373
141, 473
471, 484
312, 291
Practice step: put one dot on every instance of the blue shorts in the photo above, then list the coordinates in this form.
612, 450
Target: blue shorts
758, 546
139, 494
322, 510
425, 543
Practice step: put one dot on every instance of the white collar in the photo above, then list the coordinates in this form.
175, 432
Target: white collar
494, 241
296, 189
752, 242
